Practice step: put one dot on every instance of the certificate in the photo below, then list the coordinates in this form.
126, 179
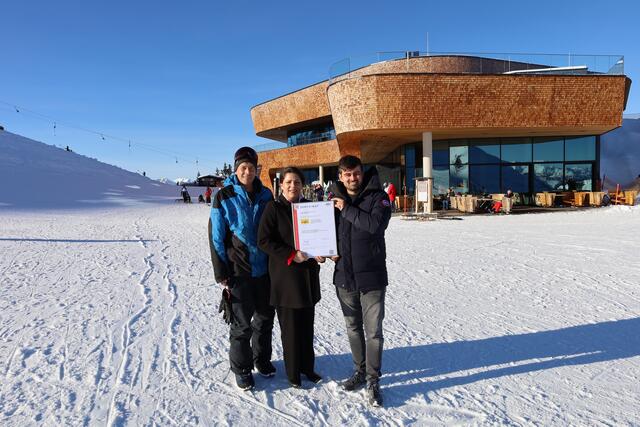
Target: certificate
314, 228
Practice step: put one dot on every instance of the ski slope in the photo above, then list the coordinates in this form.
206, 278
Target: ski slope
108, 316
40, 176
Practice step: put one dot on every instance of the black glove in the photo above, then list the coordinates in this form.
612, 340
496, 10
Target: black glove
225, 306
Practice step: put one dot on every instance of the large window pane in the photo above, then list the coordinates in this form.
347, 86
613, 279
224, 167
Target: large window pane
410, 155
459, 178
484, 153
515, 178
548, 177
459, 155
548, 150
516, 150
579, 177
484, 179
310, 175
580, 148
410, 167
440, 179
318, 134
441, 156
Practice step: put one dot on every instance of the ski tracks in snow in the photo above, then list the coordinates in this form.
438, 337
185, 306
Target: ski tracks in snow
113, 321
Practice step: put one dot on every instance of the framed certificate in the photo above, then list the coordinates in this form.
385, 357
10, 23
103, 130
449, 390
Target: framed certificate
314, 228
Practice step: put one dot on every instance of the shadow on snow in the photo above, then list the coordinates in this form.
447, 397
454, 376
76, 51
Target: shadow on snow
413, 371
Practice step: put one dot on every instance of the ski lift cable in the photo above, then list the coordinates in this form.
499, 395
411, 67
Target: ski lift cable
103, 136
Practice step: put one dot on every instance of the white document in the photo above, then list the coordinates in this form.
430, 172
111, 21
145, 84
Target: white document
314, 228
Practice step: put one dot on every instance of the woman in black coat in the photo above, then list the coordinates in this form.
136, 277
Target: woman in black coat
295, 279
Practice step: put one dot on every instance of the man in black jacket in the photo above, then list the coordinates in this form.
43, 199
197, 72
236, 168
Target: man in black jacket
360, 275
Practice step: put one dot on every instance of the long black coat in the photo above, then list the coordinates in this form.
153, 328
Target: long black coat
292, 286
361, 224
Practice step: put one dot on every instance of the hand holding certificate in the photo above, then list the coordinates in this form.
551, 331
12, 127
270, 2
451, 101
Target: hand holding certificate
314, 228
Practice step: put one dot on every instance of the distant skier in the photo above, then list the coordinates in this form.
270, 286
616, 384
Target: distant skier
207, 195
185, 195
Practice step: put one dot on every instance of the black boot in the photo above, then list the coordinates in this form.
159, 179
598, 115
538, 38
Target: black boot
313, 377
356, 381
373, 393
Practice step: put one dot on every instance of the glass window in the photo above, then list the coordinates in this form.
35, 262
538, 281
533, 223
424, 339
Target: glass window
484, 153
579, 177
440, 179
310, 175
548, 177
548, 150
515, 178
516, 150
459, 155
410, 167
484, 179
441, 156
459, 178
580, 148
310, 136
410, 155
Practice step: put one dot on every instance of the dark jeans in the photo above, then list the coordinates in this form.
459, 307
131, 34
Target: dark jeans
363, 313
250, 336
296, 325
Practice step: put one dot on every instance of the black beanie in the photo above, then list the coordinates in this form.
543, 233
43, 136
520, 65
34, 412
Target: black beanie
245, 154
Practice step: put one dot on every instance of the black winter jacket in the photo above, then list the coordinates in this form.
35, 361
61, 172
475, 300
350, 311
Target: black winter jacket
292, 286
362, 265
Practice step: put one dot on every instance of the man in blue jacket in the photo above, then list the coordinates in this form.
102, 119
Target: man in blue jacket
360, 275
241, 267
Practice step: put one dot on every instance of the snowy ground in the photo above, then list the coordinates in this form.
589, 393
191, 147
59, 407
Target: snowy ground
40, 176
109, 317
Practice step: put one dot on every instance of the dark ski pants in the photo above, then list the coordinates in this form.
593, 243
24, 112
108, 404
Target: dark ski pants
296, 325
250, 335
363, 314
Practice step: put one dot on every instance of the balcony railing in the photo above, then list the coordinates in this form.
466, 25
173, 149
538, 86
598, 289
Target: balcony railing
313, 138
480, 63
325, 136
269, 146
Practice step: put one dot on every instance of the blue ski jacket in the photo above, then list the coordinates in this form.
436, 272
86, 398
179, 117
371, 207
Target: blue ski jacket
233, 230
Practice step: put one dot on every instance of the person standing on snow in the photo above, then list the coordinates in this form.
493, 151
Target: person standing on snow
241, 267
360, 276
186, 198
391, 191
295, 280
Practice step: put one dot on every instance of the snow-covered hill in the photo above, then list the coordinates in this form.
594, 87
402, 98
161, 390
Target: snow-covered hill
37, 175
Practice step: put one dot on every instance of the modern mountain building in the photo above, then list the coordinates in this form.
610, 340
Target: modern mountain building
479, 123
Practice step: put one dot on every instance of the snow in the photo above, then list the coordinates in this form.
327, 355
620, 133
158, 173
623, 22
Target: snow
35, 176
108, 316
111, 318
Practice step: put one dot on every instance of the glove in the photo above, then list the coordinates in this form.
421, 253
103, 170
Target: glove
225, 306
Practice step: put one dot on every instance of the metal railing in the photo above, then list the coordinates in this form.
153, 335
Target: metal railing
326, 136
478, 63
269, 146
318, 137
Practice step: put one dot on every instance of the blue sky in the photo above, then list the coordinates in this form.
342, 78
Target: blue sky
182, 77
